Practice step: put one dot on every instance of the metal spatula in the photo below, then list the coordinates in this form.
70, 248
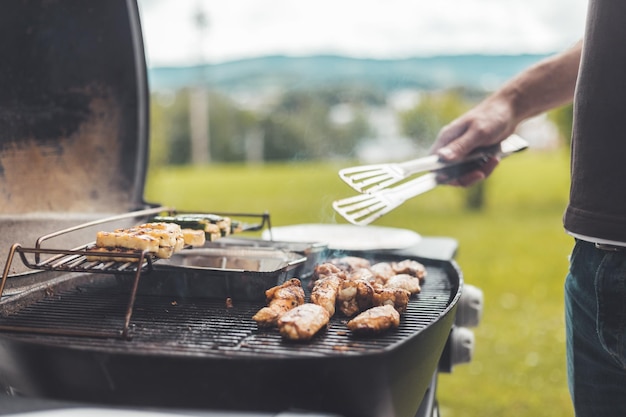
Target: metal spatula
371, 178
365, 208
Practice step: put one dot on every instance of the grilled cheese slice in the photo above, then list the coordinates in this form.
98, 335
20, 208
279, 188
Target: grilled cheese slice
214, 226
159, 239
194, 237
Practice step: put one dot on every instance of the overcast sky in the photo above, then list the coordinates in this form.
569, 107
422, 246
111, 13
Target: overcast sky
237, 29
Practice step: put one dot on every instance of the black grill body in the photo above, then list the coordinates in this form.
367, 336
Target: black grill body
187, 352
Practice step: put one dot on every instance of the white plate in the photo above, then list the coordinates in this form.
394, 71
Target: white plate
346, 236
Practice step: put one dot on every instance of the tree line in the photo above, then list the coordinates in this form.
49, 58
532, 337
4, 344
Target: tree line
299, 124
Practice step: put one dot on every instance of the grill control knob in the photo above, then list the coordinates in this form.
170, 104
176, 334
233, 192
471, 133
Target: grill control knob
461, 346
470, 307
459, 349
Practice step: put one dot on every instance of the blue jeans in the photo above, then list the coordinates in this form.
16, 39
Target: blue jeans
595, 320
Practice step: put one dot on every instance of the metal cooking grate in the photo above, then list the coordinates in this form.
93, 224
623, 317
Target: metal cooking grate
207, 327
76, 260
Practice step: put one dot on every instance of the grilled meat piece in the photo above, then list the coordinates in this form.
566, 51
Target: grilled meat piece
375, 320
280, 299
328, 269
354, 297
410, 267
396, 297
382, 272
303, 321
405, 281
356, 285
327, 285
346, 298
350, 263
325, 291
364, 274
364, 295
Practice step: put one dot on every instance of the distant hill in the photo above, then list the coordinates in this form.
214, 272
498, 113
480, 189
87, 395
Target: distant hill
470, 71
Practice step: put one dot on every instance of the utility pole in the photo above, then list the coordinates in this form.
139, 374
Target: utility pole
199, 99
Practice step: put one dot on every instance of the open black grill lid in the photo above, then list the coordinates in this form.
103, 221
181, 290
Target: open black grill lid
73, 115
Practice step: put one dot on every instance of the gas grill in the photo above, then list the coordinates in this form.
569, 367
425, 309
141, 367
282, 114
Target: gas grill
170, 336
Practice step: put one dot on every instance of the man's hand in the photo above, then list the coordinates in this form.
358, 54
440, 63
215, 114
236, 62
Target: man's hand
486, 124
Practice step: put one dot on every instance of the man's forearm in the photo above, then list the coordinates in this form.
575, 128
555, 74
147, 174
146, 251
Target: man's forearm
548, 84
543, 86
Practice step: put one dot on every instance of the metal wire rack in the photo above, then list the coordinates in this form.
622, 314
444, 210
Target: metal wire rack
81, 259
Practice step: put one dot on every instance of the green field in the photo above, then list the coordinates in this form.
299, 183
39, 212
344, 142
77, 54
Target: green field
514, 249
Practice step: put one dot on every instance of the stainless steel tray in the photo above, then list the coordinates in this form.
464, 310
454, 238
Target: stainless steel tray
235, 272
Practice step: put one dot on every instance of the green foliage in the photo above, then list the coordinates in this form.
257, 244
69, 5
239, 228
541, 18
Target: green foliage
170, 140
169, 128
159, 130
228, 128
514, 249
434, 111
475, 196
297, 126
563, 118
178, 144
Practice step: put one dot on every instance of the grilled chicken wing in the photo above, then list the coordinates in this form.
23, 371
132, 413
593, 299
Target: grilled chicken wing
328, 278
280, 299
375, 320
352, 284
396, 297
350, 263
364, 274
354, 297
410, 267
405, 281
382, 272
346, 298
325, 291
328, 269
303, 321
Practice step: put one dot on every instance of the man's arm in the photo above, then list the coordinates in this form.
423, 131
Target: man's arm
543, 86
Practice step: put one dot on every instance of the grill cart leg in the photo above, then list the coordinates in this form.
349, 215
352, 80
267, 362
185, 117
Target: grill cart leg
429, 406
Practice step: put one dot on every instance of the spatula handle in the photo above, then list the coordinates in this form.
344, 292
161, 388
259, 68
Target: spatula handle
508, 146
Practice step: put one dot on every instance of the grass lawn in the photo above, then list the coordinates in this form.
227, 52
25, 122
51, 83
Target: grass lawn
514, 249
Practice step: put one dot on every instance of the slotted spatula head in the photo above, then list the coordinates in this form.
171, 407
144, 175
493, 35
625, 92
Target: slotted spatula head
362, 209
372, 178
365, 208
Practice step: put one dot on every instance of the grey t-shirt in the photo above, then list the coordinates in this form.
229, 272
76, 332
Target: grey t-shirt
597, 206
